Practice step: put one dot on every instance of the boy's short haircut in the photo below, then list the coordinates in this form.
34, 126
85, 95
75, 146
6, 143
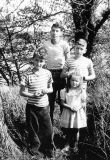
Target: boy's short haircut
40, 55
58, 25
78, 38
80, 35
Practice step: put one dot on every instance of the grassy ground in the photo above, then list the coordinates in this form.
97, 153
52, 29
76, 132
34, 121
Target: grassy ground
13, 133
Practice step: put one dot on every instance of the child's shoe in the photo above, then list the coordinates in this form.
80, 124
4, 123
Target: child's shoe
49, 153
35, 153
74, 150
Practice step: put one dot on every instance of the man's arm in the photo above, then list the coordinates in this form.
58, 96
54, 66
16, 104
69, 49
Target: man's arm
67, 51
66, 73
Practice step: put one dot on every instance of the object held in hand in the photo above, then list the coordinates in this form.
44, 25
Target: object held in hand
38, 93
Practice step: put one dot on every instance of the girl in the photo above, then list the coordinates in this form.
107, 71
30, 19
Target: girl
73, 99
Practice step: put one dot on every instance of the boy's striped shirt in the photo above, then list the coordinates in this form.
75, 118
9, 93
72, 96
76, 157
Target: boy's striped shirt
38, 81
83, 65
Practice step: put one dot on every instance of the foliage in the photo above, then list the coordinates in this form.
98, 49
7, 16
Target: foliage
16, 36
17, 47
87, 22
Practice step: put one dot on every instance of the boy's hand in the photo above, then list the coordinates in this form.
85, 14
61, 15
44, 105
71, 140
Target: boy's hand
38, 93
45, 91
70, 73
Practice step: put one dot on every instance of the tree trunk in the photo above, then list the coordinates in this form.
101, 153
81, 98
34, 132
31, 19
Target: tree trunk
82, 16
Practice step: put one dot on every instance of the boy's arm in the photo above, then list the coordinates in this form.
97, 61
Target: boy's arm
91, 71
23, 92
47, 90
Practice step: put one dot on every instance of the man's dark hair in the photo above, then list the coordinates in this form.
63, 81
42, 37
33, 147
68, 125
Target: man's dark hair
58, 25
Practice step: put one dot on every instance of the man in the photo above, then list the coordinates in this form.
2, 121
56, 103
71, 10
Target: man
57, 52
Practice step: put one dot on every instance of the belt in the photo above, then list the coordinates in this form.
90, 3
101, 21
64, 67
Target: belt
55, 70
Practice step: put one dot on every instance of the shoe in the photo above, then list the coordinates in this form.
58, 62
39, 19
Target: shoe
65, 149
73, 150
49, 153
36, 158
35, 153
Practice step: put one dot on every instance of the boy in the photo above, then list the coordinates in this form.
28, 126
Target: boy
78, 62
36, 86
57, 51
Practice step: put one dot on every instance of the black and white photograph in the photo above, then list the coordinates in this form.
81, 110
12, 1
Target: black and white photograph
55, 80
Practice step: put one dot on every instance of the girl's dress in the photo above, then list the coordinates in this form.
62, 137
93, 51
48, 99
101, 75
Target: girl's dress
76, 99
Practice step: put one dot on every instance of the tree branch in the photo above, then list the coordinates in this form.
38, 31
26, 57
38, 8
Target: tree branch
105, 17
42, 19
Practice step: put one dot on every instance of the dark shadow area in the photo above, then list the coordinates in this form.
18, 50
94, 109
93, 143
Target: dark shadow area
17, 130
87, 151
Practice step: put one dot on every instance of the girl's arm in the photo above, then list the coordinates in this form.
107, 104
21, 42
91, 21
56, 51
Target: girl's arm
64, 104
75, 109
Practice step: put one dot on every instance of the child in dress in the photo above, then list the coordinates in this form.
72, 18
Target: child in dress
73, 99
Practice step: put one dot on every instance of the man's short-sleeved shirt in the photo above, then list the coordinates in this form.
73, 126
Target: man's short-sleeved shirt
56, 54
38, 81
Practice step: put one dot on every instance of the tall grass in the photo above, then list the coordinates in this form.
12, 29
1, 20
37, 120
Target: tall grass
99, 99
12, 110
13, 129
12, 117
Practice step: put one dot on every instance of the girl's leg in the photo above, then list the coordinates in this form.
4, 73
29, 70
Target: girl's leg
67, 133
74, 140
